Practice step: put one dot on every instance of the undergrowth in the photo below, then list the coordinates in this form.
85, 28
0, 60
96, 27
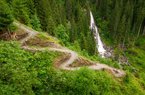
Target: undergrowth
26, 73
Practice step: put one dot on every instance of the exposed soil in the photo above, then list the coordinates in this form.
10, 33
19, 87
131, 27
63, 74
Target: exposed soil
17, 35
39, 42
61, 59
6, 36
20, 34
81, 62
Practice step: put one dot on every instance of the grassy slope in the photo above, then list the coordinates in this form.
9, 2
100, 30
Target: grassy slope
136, 57
22, 72
135, 79
19, 69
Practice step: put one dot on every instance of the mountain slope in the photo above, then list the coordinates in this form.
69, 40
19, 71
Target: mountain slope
36, 64
33, 73
73, 57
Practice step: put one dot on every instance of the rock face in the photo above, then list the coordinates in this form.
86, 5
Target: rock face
109, 52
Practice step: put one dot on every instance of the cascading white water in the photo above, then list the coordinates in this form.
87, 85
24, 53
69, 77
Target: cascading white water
99, 43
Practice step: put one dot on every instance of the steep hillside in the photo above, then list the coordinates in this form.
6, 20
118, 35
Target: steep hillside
54, 46
33, 72
72, 47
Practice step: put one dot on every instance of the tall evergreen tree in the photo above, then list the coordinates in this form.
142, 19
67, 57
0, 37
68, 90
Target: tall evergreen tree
6, 18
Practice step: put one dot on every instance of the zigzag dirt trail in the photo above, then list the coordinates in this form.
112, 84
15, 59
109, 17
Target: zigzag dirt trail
73, 55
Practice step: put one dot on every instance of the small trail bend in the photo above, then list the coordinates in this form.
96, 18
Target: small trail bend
73, 55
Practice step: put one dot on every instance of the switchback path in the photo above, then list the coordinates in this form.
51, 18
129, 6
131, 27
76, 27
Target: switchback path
65, 65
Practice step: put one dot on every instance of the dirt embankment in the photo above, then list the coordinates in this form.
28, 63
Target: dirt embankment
81, 62
17, 35
58, 61
39, 42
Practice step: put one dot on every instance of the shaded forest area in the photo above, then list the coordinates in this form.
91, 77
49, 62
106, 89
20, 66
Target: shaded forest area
120, 22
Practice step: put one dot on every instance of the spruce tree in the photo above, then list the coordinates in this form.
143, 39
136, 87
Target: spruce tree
6, 18
21, 11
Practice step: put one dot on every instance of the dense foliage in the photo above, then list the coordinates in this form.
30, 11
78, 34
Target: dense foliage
6, 18
125, 19
25, 73
122, 22
50, 15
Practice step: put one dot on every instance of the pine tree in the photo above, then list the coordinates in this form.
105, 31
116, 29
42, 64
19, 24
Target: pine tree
21, 11
35, 22
6, 18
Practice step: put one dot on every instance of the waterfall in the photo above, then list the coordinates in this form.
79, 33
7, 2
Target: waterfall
99, 43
